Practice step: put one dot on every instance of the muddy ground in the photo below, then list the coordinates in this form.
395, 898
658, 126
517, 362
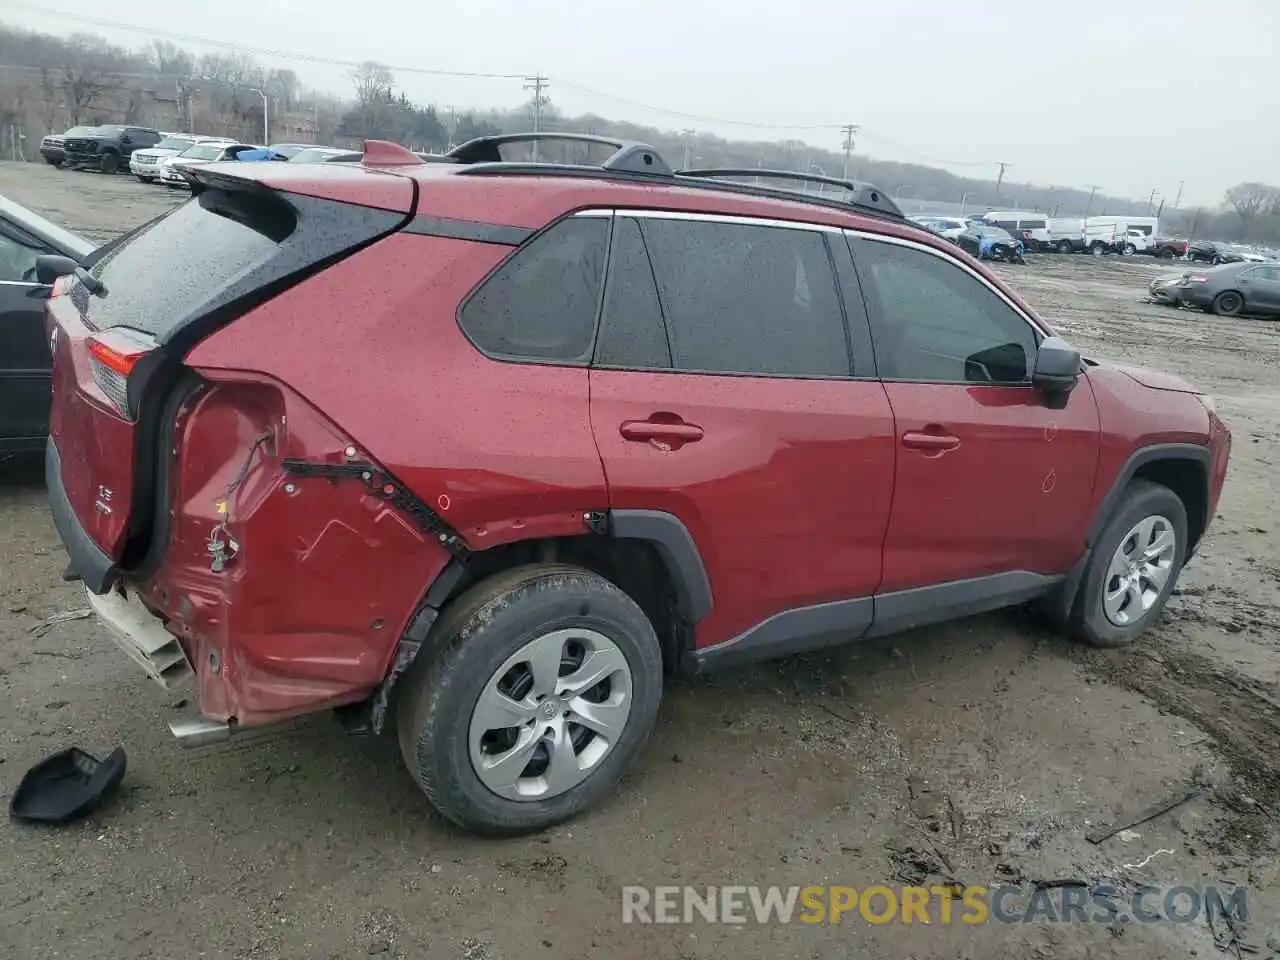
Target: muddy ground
980, 752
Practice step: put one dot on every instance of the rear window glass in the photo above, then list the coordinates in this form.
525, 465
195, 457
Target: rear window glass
167, 271
203, 153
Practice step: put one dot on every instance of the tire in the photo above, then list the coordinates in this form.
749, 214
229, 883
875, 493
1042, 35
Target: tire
52, 162
1129, 250
1097, 249
1217, 260
146, 179
1064, 246
473, 646
109, 163
1142, 502
1167, 253
1228, 303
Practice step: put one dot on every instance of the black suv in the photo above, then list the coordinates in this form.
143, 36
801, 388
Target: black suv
108, 148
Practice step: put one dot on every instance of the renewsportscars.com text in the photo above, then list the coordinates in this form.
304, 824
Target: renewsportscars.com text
882, 904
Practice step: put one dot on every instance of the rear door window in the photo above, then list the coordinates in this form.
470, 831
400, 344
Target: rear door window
632, 333
747, 298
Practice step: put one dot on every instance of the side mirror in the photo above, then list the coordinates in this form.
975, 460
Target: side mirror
51, 266
1056, 370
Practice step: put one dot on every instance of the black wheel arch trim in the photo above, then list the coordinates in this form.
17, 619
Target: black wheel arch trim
1194, 452
675, 545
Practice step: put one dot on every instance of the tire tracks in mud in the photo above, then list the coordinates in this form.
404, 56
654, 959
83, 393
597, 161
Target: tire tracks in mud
1241, 715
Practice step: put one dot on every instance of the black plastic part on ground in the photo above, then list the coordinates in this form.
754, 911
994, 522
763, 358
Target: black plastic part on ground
66, 786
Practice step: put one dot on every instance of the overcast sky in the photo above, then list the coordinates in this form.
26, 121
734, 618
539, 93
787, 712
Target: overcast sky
1130, 96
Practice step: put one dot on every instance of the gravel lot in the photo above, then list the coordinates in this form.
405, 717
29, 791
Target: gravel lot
981, 751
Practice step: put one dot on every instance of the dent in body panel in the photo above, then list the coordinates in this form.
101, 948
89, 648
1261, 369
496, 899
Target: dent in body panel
503, 451
324, 577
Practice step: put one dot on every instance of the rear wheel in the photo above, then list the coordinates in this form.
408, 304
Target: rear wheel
110, 162
52, 162
541, 689
1129, 250
146, 179
1228, 303
1097, 249
1167, 253
1064, 246
1133, 567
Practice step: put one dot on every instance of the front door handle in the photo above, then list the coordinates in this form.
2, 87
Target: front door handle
661, 433
930, 442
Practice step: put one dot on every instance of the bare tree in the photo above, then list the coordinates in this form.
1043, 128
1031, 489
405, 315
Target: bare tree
170, 60
1252, 202
84, 73
373, 82
284, 85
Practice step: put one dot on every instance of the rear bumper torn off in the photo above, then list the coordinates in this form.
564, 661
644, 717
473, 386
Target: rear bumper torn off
142, 637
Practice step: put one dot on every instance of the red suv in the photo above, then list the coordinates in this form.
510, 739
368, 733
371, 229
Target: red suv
495, 445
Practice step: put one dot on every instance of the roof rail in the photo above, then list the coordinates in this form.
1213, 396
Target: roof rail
861, 194
384, 153
628, 156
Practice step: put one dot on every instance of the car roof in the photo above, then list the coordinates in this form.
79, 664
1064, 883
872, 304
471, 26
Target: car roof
66, 242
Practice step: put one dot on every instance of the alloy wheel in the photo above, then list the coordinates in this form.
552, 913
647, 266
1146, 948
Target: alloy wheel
1139, 570
550, 714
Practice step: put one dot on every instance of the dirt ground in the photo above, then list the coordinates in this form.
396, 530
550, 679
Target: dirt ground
980, 752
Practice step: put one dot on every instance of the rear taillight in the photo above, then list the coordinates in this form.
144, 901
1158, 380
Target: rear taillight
114, 354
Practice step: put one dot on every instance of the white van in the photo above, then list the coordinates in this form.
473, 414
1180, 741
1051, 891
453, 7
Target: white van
1031, 228
1066, 234
1133, 234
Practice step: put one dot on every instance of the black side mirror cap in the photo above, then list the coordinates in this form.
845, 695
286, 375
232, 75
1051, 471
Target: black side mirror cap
1057, 369
51, 266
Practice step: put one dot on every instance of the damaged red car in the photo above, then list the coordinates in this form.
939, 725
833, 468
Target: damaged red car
485, 449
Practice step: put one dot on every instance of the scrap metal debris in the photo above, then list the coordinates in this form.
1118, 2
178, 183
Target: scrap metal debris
1150, 813
43, 627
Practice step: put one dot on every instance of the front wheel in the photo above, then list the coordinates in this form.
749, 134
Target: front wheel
146, 179
1133, 567
1167, 254
541, 689
109, 163
1064, 246
1129, 250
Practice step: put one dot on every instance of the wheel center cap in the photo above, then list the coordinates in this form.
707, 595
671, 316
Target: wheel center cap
549, 709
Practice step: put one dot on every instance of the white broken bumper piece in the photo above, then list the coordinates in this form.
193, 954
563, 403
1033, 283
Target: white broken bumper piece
139, 634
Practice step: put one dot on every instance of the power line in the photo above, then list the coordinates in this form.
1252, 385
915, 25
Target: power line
178, 37
245, 48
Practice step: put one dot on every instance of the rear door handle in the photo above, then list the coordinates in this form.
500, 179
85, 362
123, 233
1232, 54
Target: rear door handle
930, 442
643, 431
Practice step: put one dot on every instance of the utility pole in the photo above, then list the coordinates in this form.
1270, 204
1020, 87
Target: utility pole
266, 121
1093, 188
1151, 200
1000, 178
849, 129
1178, 199
688, 148
537, 84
